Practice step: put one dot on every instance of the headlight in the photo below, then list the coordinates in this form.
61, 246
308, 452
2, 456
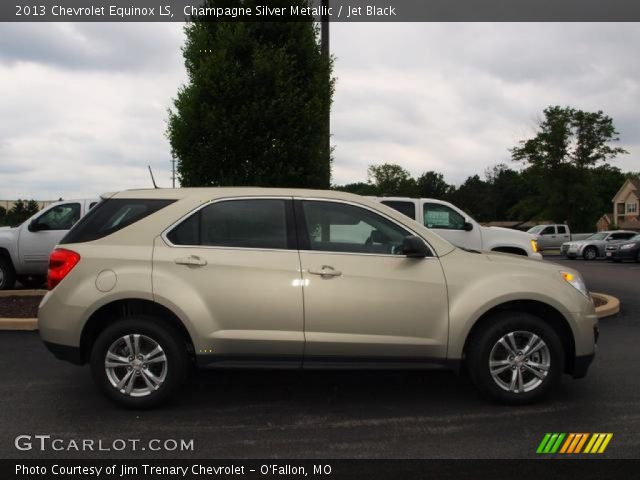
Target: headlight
576, 281
627, 247
534, 246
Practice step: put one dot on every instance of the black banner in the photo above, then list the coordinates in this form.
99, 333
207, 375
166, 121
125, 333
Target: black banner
545, 468
329, 10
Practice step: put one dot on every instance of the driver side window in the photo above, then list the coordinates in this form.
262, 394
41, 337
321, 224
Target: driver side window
441, 216
340, 227
61, 217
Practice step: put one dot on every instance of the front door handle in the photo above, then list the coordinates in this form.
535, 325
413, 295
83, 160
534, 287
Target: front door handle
326, 271
192, 260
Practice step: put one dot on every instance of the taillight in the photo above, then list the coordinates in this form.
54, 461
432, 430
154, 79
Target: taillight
61, 262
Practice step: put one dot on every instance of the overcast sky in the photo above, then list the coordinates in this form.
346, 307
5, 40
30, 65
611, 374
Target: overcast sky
83, 106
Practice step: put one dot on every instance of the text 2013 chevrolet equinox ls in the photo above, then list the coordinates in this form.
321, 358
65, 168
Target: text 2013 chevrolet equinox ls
153, 281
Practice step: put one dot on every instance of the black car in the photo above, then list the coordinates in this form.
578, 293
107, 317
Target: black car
629, 250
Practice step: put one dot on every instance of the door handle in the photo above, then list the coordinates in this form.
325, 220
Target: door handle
191, 260
326, 271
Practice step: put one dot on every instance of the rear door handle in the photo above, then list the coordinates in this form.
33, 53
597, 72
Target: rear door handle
326, 271
191, 260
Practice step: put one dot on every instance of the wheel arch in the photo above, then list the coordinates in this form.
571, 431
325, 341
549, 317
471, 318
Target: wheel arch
547, 313
121, 309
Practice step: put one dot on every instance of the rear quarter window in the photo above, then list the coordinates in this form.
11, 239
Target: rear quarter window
111, 215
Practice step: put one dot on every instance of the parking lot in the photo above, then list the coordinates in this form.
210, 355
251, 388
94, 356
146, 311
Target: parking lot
335, 414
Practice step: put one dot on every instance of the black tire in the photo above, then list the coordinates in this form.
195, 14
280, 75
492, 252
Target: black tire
638, 257
7, 274
168, 338
590, 253
32, 281
483, 342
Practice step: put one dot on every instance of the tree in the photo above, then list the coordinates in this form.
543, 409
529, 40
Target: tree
359, 188
3, 214
18, 213
432, 185
474, 197
32, 208
255, 107
569, 144
391, 179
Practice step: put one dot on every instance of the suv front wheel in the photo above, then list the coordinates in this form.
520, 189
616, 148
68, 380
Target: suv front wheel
139, 362
516, 358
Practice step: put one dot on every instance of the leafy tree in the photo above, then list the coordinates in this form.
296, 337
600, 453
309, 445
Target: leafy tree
3, 215
32, 208
255, 107
474, 197
18, 213
359, 188
391, 179
569, 144
432, 185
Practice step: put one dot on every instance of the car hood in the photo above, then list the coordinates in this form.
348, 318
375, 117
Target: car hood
511, 232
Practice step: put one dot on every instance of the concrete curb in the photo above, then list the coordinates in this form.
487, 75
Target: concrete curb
21, 293
26, 324
611, 307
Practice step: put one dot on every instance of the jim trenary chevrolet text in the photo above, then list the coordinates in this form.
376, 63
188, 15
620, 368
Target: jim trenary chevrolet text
152, 282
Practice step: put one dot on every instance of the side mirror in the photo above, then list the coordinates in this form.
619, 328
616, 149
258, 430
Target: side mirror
34, 226
468, 226
414, 247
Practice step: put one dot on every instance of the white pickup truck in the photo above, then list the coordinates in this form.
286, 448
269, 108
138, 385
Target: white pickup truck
460, 229
25, 249
550, 237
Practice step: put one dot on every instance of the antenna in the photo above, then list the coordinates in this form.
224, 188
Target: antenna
153, 180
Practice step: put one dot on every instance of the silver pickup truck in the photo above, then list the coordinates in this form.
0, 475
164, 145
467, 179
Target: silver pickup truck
25, 249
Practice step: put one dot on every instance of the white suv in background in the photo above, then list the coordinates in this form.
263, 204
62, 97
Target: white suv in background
457, 227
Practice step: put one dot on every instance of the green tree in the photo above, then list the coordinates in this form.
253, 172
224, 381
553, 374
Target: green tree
474, 197
255, 106
359, 188
32, 207
432, 185
18, 213
3, 215
391, 179
569, 144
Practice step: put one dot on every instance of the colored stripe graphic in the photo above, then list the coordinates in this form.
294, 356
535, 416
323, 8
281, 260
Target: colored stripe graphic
555, 443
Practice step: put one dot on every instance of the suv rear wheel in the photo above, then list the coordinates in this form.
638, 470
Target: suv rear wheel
139, 362
515, 359
7, 274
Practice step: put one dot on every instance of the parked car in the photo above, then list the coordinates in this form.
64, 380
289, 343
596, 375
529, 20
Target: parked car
25, 249
457, 227
594, 246
551, 237
629, 250
152, 281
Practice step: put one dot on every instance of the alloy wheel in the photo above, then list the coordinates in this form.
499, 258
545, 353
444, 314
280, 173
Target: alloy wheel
136, 365
590, 254
519, 361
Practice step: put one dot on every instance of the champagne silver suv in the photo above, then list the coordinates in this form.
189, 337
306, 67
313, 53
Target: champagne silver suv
152, 282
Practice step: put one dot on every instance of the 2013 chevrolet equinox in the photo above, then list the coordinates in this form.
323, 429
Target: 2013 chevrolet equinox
153, 281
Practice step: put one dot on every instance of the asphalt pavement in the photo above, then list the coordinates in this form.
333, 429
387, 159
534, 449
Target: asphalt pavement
242, 414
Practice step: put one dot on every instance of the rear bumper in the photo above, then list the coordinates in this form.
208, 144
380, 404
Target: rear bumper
66, 353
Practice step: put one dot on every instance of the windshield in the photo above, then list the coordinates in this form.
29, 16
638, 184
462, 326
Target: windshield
598, 236
535, 229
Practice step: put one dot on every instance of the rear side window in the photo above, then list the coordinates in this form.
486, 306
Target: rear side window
406, 208
259, 223
562, 230
112, 215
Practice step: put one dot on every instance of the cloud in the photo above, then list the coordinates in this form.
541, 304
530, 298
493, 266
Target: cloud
84, 105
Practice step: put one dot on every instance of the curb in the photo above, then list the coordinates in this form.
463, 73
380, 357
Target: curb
21, 293
611, 307
25, 324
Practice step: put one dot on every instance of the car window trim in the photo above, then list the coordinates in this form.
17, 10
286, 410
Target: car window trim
303, 235
292, 238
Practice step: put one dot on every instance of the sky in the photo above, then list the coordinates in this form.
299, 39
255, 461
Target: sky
84, 105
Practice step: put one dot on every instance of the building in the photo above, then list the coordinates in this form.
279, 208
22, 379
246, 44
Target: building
626, 208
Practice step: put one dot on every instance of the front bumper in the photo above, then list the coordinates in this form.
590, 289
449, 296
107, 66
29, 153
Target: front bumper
621, 254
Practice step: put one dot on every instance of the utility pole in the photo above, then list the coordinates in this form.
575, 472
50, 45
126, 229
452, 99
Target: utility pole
173, 172
324, 48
